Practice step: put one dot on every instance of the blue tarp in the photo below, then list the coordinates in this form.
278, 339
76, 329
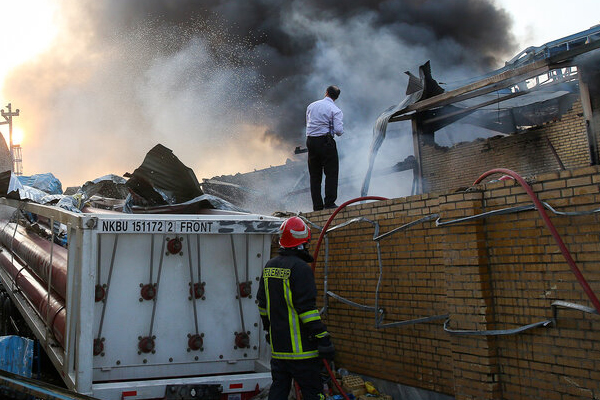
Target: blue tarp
45, 182
16, 355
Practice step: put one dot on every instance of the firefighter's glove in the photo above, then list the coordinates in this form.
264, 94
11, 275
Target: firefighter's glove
326, 349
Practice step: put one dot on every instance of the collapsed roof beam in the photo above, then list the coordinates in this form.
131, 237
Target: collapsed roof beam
496, 82
463, 112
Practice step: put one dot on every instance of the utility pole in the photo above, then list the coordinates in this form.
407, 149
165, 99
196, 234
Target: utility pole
8, 120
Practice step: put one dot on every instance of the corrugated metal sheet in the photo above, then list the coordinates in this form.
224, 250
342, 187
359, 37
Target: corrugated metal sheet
162, 173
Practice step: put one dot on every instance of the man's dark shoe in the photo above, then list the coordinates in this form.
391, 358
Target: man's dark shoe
317, 208
331, 206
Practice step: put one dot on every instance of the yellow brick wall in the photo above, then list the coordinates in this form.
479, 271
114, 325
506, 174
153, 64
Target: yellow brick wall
500, 272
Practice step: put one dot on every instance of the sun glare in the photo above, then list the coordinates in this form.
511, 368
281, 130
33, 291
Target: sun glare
18, 135
28, 27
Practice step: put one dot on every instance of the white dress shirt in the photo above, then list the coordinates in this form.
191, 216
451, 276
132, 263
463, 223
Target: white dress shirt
323, 117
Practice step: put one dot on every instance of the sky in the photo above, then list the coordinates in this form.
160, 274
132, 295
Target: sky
539, 22
97, 86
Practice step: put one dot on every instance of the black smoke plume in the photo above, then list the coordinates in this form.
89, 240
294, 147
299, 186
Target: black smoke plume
220, 80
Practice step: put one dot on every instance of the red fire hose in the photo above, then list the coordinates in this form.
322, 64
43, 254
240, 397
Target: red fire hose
315, 255
336, 383
337, 210
565, 252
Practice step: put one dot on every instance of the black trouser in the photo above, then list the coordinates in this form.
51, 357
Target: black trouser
322, 157
307, 374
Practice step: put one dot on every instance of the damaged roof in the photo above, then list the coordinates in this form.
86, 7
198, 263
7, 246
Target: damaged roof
536, 86
503, 85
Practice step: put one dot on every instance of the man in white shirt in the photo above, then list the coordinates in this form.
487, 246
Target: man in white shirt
323, 120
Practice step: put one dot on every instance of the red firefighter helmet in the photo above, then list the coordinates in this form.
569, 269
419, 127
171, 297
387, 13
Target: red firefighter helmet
293, 232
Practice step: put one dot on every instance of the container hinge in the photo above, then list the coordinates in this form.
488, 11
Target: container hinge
92, 222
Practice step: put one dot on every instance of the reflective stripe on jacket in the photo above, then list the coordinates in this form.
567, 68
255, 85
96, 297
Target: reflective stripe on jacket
287, 304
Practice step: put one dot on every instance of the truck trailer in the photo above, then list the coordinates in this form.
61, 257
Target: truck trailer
142, 306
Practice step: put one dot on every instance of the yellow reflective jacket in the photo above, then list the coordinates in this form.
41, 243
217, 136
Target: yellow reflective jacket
287, 305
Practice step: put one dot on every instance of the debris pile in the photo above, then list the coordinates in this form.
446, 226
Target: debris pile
354, 387
161, 185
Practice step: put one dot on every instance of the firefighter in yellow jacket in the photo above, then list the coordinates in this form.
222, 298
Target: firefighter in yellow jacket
287, 304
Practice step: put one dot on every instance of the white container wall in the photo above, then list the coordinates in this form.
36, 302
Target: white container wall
159, 300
